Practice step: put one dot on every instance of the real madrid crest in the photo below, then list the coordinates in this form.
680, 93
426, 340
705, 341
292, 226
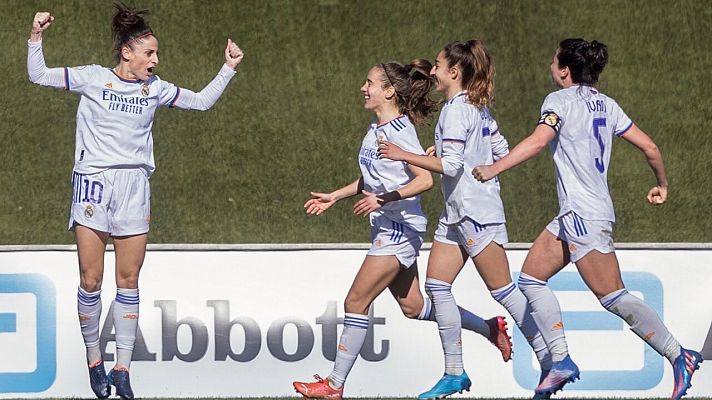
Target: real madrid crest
145, 89
89, 211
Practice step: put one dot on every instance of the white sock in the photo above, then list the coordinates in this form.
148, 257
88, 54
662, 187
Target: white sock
511, 298
644, 321
125, 325
547, 315
350, 343
447, 316
469, 321
89, 310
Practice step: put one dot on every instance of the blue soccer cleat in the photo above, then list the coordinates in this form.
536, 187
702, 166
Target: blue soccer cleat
98, 381
119, 378
543, 396
684, 366
447, 385
562, 372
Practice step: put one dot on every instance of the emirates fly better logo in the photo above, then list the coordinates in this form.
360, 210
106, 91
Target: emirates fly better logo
28, 339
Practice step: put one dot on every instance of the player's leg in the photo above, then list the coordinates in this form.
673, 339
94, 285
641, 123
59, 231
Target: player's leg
91, 245
601, 272
547, 256
492, 264
130, 223
444, 264
130, 253
373, 277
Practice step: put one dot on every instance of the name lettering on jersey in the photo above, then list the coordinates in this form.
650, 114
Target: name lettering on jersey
550, 118
131, 105
367, 156
596, 106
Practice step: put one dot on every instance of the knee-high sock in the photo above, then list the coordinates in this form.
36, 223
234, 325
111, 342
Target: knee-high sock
447, 316
469, 320
350, 343
516, 304
89, 310
644, 321
125, 325
547, 315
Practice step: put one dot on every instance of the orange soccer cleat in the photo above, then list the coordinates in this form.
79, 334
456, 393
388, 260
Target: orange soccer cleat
319, 389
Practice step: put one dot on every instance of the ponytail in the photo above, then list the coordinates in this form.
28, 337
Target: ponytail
476, 68
412, 84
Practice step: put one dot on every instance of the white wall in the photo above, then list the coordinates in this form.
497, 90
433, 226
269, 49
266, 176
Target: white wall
289, 302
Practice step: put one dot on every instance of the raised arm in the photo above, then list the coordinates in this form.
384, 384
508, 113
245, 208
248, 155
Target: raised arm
37, 70
206, 98
635, 136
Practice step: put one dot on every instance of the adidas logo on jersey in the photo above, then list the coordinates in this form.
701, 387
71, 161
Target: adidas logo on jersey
108, 85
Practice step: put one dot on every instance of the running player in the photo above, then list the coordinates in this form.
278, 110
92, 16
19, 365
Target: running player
579, 123
472, 224
113, 161
398, 96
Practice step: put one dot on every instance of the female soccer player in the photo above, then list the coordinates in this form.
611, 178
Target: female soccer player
472, 224
579, 122
113, 161
398, 96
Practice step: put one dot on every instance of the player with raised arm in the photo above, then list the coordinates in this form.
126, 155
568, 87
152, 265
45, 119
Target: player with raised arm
398, 96
578, 122
472, 224
113, 162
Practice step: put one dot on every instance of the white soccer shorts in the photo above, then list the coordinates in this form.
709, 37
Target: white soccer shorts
583, 235
390, 238
117, 201
473, 237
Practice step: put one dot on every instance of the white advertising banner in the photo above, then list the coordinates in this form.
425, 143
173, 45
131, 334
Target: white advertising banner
236, 323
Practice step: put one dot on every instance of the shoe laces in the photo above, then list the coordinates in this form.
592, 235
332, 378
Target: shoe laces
320, 379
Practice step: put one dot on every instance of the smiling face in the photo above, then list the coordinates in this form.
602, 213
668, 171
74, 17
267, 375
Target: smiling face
442, 74
140, 58
375, 96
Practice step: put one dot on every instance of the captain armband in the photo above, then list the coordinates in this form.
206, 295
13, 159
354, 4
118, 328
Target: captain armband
550, 119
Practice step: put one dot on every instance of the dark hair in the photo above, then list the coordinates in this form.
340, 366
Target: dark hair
128, 25
476, 68
585, 60
413, 84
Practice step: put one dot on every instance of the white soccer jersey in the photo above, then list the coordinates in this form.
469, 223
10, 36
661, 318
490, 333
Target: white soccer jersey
383, 175
585, 121
464, 134
115, 115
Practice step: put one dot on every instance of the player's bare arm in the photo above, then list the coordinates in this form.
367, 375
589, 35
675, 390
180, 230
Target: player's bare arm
635, 136
393, 152
320, 202
526, 149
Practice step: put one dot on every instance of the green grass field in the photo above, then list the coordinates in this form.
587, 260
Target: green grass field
292, 120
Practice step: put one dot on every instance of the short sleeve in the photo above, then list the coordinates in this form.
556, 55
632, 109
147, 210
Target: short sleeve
620, 122
551, 111
76, 79
408, 141
454, 123
168, 94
